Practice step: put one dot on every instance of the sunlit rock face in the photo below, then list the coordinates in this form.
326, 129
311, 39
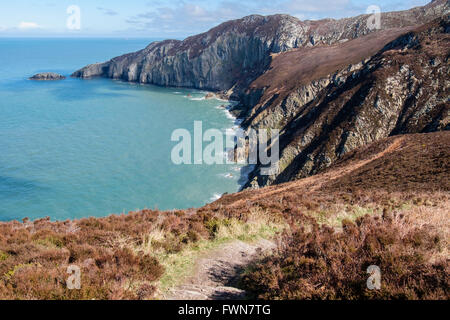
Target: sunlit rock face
330, 86
237, 52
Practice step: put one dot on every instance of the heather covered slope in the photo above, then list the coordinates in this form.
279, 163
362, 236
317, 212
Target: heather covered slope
396, 190
413, 163
385, 205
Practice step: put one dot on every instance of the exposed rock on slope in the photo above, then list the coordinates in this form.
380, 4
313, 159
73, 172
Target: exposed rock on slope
330, 86
411, 163
237, 52
404, 88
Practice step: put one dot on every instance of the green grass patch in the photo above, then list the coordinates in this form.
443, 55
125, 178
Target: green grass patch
335, 218
179, 266
3, 256
50, 242
9, 274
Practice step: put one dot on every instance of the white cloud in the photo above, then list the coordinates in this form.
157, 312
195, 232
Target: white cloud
183, 17
28, 25
195, 10
197, 16
108, 12
317, 5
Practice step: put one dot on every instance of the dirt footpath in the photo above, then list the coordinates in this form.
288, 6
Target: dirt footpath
217, 273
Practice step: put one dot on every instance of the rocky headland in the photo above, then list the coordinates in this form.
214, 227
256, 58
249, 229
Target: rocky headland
330, 86
370, 179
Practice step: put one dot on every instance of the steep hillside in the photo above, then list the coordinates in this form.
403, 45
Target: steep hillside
385, 205
413, 163
237, 52
404, 88
330, 86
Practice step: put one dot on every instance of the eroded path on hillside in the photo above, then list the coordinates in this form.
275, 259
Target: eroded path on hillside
315, 182
218, 272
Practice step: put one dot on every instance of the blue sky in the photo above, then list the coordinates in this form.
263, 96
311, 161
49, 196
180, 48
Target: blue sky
164, 18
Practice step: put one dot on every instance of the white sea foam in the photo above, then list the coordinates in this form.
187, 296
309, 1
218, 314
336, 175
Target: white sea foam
231, 131
235, 131
229, 114
226, 110
215, 197
227, 175
219, 99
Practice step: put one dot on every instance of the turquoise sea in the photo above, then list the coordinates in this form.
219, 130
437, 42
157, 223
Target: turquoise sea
81, 148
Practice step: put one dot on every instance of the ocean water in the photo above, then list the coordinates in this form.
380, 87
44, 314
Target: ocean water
80, 148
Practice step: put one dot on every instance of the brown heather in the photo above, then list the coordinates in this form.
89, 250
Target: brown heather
385, 205
324, 264
117, 254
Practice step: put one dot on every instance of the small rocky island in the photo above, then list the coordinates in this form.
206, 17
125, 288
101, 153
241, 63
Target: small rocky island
47, 76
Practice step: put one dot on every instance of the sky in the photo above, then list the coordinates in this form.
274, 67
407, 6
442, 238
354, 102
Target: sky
162, 18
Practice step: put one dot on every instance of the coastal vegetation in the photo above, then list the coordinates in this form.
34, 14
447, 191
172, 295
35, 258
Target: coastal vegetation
410, 246
122, 256
329, 86
364, 182
326, 234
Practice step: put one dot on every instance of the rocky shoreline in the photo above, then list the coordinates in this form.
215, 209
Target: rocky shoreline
359, 210
237, 127
280, 71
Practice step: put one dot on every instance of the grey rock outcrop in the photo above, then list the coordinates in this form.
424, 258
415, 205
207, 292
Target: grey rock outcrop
330, 86
402, 89
232, 55
47, 76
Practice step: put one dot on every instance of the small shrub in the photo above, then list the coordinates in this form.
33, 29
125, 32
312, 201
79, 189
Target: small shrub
324, 264
3, 256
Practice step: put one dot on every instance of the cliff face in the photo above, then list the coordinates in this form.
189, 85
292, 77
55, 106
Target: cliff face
404, 88
237, 52
234, 52
330, 86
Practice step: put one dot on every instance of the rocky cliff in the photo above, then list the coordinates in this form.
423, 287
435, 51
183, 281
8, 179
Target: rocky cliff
237, 52
403, 88
330, 86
